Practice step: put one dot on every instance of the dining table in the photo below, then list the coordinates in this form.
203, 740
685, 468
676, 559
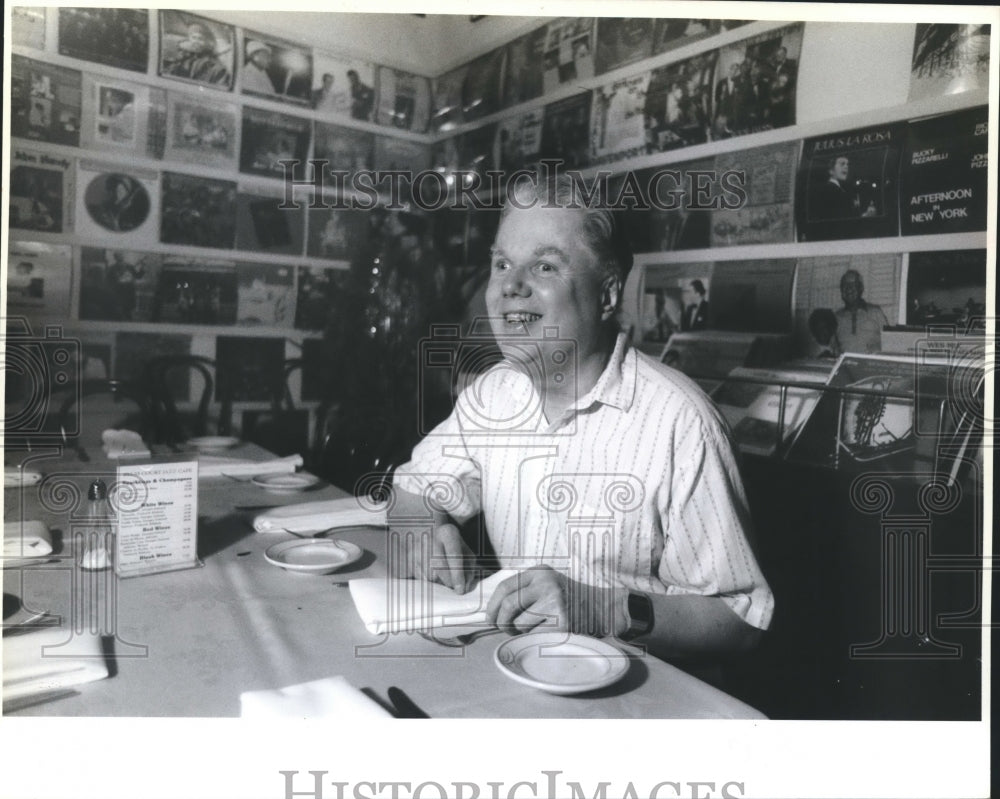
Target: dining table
191, 642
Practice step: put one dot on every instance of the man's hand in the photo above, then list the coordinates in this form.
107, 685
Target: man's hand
543, 596
440, 556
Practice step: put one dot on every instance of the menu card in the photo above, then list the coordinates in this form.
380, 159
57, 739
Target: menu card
157, 508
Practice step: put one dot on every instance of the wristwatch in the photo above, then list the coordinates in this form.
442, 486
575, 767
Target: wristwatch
640, 616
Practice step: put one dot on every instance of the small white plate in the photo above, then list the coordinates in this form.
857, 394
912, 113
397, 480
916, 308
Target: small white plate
312, 556
14, 477
213, 442
561, 663
285, 483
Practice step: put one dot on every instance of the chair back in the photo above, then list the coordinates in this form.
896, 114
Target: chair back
83, 415
284, 429
173, 426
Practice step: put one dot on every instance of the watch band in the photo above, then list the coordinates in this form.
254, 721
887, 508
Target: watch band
640, 615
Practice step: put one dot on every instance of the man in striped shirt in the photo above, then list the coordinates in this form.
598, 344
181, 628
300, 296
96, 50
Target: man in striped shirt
605, 478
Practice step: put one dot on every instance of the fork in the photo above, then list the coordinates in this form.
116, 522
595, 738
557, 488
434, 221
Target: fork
320, 534
459, 640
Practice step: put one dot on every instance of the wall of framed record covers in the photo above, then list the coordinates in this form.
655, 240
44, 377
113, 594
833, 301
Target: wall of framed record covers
145, 178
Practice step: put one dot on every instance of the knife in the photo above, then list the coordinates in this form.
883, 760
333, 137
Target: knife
406, 708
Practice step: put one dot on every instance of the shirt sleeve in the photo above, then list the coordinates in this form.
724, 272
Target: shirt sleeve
706, 522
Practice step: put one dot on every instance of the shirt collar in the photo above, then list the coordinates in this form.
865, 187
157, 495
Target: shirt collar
616, 385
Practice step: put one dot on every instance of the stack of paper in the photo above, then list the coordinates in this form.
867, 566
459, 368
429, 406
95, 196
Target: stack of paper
49, 660
124, 444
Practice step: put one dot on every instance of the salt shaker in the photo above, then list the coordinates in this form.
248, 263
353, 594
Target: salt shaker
100, 534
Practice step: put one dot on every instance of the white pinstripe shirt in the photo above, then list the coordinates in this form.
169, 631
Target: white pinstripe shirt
635, 485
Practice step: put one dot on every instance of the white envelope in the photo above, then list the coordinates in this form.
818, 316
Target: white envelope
311, 517
331, 697
48, 660
392, 605
215, 466
24, 541
14, 477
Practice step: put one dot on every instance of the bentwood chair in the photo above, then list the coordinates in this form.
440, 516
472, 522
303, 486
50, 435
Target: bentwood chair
284, 429
170, 378
99, 405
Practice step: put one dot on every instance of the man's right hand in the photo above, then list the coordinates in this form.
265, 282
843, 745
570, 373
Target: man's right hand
439, 555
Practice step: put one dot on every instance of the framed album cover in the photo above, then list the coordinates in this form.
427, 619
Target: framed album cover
622, 41
197, 50
766, 176
27, 27
198, 211
276, 69
617, 120
201, 130
568, 55
268, 138
336, 233
115, 37
196, 291
673, 33
265, 295
481, 88
262, 225
118, 285
522, 79
394, 154
117, 116
404, 100
45, 101
949, 59
343, 87
120, 205
343, 149
566, 131
38, 279
449, 99
519, 140
42, 193
946, 288
678, 102
317, 288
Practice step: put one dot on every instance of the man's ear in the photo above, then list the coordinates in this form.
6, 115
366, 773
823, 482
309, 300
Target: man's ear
610, 292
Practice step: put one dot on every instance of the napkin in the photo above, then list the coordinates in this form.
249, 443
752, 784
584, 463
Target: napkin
215, 466
330, 697
124, 444
47, 660
392, 605
14, 477
26, 540
313, 516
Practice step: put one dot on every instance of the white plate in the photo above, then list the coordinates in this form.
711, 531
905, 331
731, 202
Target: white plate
13, 477
312, 556
285, 483
213, 442
561, 663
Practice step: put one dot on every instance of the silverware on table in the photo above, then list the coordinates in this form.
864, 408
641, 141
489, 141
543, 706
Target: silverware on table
13, 705
406, 708
459, 640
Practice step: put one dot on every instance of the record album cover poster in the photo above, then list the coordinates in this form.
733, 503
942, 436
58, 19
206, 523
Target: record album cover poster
118, 285
404, 100
343, 87
395, 154
949, 59
116, 116
569, 52
276, 69
133, 350
673, 33
196, 291
336, 233
618, 121
946, 288
752, 296
38, 279
197, 50
27, 27
449, 99
518, 141
678, 103
45, 101
481, 88
755, 83
268, 138
622, 41
318, 286
767, 176
265, 295
201, 131
522, 80
42, 193
249, 368
116, 37
262, 225
344, 149
566, 131
848, 184
671, 296
116, 205
198, 211
943, 180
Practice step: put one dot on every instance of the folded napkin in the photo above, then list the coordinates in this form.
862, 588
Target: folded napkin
332, 697
13, 477
309, 517
48, 660
392, 605
124, 444
26, 540
215, 466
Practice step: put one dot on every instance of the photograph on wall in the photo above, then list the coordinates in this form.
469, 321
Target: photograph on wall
196, 291
848, 184
481, 88
522, 79
518, 140
133, 350
673, 33
268, 138
404, 100
27, 27
201, 130
198, 211
949, 59
276, 69
116, 37
196, 49
42, 194
566, 131
121, 116
755, 84
344, 149
946, 288
117, 204
118, 285
943, 174
249, 368
678, 99
38, 279
400, 154
622, 41
617, 120
262, 225
45, 101
343, 87
843, 303
318, 287
336, 233
767, 176
674, 298
752, 296
448, 99
265, 295
568, 55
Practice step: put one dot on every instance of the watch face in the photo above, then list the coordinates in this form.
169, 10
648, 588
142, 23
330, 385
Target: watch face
640, 611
